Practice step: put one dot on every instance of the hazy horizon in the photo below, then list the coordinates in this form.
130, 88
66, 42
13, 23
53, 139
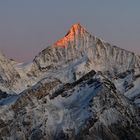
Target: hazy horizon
27, 27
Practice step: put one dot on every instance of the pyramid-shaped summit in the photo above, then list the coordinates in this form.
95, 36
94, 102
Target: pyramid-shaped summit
79, 47
76, 31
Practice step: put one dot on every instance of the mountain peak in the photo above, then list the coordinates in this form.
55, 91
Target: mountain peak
77, 27
76, 30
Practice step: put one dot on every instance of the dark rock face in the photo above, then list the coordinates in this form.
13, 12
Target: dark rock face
36, 134
3, 94
69, 86
39, 91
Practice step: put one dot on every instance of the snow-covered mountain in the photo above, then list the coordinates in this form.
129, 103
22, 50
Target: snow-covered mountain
69, 58
81, 52
81, 87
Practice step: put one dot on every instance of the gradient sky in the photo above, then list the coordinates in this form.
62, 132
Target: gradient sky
28, 26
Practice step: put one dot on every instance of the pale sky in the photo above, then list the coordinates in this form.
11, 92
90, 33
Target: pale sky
28, 26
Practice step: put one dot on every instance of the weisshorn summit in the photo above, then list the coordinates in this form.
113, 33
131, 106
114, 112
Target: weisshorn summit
79, 88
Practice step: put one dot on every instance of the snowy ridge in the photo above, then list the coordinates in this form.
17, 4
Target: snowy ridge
79, 44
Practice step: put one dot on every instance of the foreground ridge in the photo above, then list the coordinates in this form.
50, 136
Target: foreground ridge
90, 108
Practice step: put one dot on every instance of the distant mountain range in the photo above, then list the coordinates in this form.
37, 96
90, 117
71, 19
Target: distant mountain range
79, 88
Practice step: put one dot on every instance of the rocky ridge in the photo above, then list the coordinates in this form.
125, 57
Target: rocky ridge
90, 108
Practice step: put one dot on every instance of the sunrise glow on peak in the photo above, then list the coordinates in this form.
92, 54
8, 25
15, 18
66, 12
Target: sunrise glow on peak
76, 30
